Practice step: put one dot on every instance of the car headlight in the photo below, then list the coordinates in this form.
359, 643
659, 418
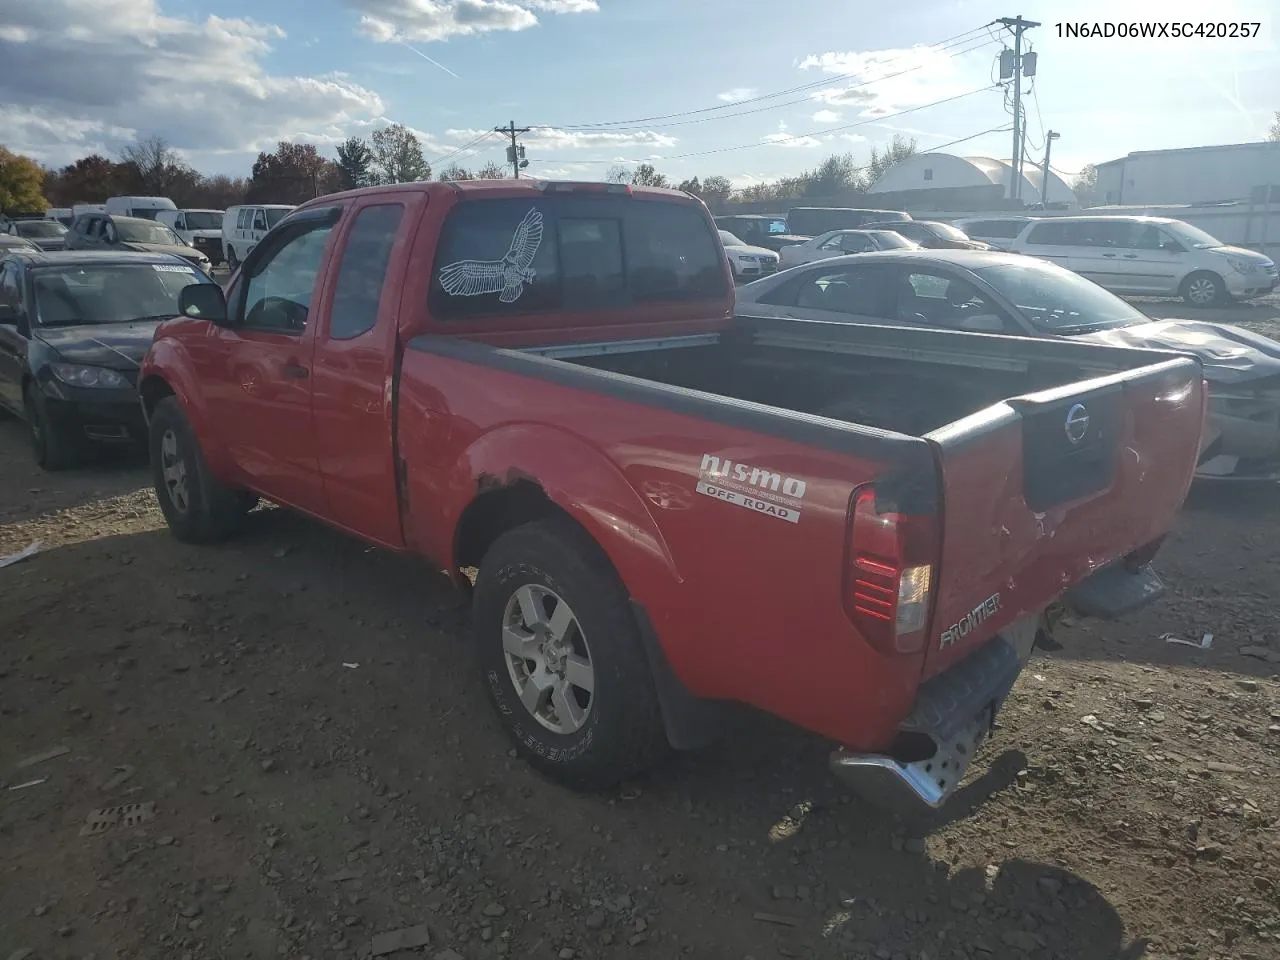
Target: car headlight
748, 258
1240, 265
78, 375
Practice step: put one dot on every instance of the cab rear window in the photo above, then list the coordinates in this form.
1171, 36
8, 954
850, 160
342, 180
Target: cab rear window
518, 256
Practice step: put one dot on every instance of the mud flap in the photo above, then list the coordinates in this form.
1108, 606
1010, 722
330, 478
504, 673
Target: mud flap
1115, 591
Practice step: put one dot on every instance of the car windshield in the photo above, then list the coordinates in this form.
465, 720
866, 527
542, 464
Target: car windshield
203, 220
947, 231
132, 232
109, 293
729, 240
40, 228
275, 216
1057, 300
1193, 237
892, 240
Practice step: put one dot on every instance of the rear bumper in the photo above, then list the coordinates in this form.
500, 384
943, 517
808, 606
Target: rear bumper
954, 710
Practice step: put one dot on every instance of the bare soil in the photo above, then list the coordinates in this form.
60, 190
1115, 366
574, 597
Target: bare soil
299, 721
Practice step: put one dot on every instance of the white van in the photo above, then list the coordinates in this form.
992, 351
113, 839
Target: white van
63, 215
1151, 256
144, 207
202, 229
243, 227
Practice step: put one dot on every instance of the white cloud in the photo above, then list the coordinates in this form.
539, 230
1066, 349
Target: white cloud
880, 82
202, 84
737, 93
428, 21
552, 138
786, 140
826, 116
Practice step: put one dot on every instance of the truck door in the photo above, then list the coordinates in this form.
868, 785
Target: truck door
260, 377
354, 369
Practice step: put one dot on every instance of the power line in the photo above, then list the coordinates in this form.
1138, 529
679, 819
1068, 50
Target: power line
958, 40
755, 110
802, 136
466, 146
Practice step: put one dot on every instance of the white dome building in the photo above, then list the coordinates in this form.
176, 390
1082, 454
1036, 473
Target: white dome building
940, 171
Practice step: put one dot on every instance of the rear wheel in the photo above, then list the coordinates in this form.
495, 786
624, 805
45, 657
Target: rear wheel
1204, 289
197, 506
563, 659
53, 450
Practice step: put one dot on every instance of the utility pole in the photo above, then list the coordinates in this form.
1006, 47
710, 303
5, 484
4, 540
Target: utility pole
1044, 172
1018, 26
515, 152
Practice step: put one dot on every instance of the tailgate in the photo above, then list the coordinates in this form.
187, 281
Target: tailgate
1044, 489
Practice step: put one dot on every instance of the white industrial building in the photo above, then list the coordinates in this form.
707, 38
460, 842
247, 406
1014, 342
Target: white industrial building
1190, 175
942, 171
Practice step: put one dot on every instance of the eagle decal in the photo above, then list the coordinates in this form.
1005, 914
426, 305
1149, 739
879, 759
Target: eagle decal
506, 277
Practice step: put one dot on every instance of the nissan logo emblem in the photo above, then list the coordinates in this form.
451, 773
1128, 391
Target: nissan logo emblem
1077, 424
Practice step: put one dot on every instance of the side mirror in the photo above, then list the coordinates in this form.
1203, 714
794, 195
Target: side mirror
204, 301
1172, 246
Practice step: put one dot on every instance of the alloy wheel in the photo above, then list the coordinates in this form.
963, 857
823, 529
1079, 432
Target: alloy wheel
548, 659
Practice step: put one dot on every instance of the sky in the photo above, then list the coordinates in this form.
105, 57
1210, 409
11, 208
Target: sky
739, 88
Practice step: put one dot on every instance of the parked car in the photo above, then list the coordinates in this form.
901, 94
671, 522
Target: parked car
101, 231
748, 262
1152, 256
998, 232
931, 235
815, 220
243, 227
9, 241
760, 230
642, 494
201, 229
838, 243
45, 234
73, 327
1027, 297
143, 208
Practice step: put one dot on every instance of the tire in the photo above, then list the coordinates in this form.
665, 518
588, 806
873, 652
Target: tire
1204, 289
197, 507
232, 262
53, 450
616, 730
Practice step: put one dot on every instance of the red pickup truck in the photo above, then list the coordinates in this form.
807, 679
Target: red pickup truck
659, 506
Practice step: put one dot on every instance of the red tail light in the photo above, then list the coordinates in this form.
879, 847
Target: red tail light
891, 574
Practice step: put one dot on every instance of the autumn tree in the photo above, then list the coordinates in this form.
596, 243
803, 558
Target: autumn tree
899, 148
152, 167
90, 179
455, 172
716, 190
491, 171
220, 191
835, 176
292, 174
692, 185
1085, 185
644, 175
397, 154
21, 182
355, 164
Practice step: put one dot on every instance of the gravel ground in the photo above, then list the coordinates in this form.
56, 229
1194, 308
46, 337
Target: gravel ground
279, 748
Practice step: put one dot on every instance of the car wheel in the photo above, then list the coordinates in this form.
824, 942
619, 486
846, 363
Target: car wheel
52, 449
563, 659
196, 505
1204, 289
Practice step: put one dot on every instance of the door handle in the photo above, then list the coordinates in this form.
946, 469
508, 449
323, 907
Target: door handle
295, 371
1131, 256
1108, 254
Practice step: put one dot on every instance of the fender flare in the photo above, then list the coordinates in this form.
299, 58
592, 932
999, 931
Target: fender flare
167, 362
592, 489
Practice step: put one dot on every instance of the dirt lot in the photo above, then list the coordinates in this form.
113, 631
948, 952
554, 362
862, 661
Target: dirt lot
316, 765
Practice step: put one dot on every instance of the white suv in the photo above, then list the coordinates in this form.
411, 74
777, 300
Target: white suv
1152, 256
